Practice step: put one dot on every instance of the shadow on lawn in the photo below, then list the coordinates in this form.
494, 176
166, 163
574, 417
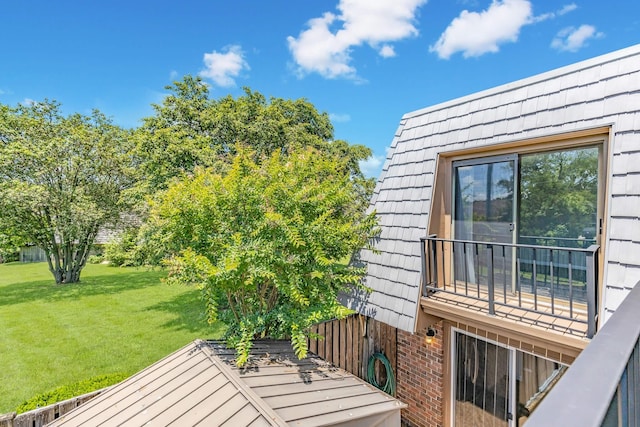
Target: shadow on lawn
89, 285
189, 310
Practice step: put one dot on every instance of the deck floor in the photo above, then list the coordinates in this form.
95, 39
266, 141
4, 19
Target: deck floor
572, 322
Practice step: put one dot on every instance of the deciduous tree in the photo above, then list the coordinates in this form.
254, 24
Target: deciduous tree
61, 179
268, 243
190, 129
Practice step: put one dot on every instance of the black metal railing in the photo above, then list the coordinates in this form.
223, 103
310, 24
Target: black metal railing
602, 387
558, 281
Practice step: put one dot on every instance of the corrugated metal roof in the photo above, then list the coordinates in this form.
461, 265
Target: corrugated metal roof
200, 385
603, 91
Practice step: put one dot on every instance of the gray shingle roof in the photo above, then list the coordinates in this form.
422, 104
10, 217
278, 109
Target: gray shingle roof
603, 91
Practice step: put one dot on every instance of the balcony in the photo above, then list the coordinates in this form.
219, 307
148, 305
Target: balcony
554, 287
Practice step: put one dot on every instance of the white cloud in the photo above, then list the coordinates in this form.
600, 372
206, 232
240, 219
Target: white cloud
387, 51
173, 74
550, 15
572, 39
567, 8
339, 118
477, 33
28, 102
325, 50
223, 67
371, 166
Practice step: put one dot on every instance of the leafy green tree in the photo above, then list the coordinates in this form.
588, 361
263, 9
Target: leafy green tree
61, 178
189, 129
10, 245
559, 193
268, 243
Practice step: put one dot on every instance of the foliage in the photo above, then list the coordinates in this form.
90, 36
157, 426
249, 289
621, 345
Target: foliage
268, 244
61, 178
116, 320
122, 252
69, 391
189, 129
559, 193
9, 246
95, 259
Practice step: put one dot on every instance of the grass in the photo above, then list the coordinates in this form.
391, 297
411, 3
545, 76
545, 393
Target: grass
116, 320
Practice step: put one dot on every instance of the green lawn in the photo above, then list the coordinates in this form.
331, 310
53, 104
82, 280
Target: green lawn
116, 320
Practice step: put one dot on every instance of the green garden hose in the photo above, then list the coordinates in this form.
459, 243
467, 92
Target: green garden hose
390, 385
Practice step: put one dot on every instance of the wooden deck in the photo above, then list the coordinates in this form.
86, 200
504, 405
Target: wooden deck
563, 319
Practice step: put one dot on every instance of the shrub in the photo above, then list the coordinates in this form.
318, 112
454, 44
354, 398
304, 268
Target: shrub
95, 259
122, 252
69, 391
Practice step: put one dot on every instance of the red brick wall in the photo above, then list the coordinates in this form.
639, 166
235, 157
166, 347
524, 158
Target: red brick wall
420, 380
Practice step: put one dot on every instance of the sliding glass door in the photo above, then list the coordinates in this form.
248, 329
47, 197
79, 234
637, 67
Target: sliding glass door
558, 207
547, 199
484, 211
495, 385
482, 383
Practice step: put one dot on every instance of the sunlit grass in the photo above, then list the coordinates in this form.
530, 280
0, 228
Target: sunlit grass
116, 320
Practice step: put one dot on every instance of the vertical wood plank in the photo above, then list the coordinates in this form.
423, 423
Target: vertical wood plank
393, 351
328, 341
321, 343
379, 348
388, 346
343, 343
358, 331
6, 420
336, 342
349, 343
367, 342
313, 342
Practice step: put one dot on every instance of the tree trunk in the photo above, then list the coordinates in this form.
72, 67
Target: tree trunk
67, 259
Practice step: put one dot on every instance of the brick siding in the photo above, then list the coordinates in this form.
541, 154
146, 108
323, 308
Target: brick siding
420, 382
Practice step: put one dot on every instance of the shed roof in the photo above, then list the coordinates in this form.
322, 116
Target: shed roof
201, 385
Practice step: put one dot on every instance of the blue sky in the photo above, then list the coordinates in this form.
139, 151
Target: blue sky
365, 62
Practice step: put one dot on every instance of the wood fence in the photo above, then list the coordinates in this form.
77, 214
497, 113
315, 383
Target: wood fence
350, 342
32, 254
42, 416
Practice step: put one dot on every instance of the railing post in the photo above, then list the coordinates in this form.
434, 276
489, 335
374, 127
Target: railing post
591, 290
492, 308
433, 261
423, 258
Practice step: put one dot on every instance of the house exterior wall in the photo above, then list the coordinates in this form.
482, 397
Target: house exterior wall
601, 92
421, 379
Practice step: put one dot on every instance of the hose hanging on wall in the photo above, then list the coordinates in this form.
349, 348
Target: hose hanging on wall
390, 385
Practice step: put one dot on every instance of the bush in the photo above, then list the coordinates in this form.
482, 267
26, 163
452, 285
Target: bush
122, 252
95, 259
69, 391
9, 256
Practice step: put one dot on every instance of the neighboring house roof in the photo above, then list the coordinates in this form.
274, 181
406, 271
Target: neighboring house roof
200, 385
108, 233
603, 91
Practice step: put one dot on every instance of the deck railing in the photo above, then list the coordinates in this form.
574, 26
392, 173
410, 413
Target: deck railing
602, 387
558, 281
